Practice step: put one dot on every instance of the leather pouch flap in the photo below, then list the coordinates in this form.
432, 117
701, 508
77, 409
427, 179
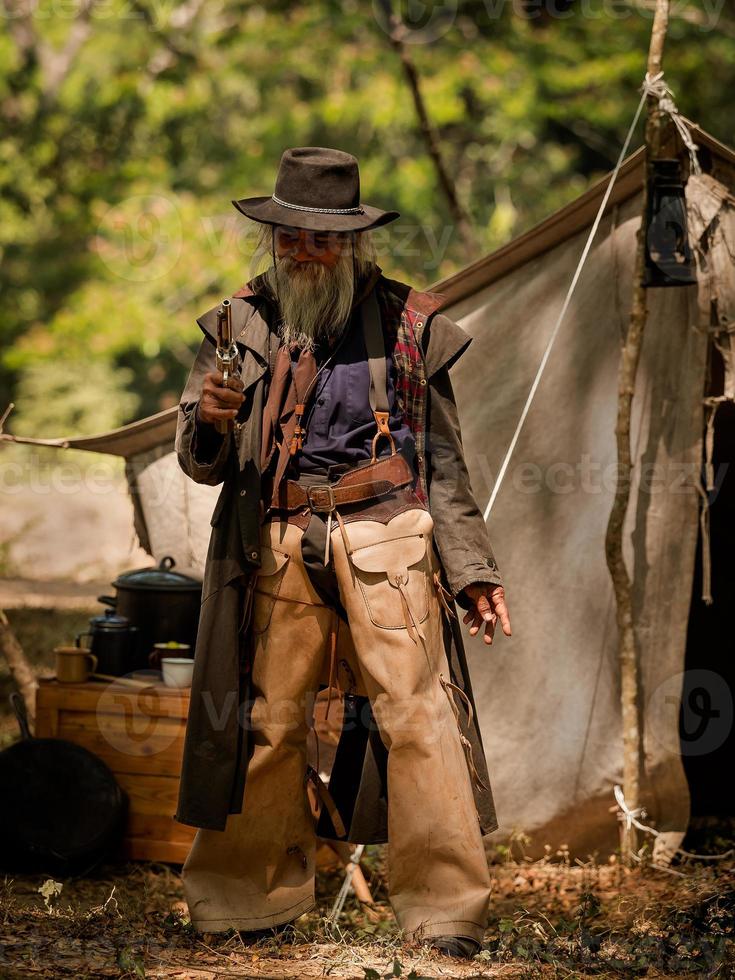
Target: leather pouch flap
394, 555
271, 561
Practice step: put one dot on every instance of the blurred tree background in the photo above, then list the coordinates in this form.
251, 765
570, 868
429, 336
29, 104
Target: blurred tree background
129, 125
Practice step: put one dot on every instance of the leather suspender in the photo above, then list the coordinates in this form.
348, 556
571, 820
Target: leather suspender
375, 347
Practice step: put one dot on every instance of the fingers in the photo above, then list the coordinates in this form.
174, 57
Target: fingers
502, 610
209, 414
484, 608
234, 383
217, 402
220, 396
477, 622
488, 610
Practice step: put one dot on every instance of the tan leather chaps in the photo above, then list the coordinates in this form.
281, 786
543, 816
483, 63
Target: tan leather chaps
259, 871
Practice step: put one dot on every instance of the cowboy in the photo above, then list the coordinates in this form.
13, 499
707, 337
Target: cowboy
344, 537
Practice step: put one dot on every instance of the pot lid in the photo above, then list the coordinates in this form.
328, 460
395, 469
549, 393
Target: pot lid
109, 620
160, 579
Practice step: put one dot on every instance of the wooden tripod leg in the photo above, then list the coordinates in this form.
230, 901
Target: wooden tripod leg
344, 850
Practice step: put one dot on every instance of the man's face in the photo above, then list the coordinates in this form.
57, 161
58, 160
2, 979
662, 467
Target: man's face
302, 246
314, 282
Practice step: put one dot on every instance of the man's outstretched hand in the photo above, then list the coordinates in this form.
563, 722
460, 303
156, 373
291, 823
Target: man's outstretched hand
488, 607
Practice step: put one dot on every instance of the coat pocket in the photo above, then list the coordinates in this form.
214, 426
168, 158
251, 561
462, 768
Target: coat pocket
393, 576
268, 581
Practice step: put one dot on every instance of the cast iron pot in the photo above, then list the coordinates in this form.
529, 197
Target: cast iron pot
161, 603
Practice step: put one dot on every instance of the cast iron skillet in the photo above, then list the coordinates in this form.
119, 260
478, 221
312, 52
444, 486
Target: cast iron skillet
61, 809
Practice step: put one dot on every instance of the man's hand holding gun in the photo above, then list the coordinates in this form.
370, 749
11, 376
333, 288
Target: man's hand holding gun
221, 395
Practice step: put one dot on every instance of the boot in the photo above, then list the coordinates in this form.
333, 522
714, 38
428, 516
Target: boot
458, 946
250, 936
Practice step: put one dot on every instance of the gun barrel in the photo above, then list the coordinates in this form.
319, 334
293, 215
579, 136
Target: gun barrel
224, 324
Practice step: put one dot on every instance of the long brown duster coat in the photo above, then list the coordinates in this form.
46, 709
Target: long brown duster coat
216, 750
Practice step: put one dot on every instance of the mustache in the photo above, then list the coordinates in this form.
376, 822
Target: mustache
309, 269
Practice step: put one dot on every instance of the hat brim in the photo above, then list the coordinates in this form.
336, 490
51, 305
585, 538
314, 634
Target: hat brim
267, 211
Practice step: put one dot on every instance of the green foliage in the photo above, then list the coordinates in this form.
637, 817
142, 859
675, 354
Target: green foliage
83, 397
693, 940
127, 131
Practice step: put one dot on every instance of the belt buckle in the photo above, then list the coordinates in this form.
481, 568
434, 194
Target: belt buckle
315, 508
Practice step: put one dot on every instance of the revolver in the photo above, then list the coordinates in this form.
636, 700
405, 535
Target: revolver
228, 356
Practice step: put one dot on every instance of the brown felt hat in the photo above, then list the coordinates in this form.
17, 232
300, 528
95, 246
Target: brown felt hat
319, 189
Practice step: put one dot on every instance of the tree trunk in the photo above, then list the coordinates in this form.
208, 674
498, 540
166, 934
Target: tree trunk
630, 355
429, 134
21, 671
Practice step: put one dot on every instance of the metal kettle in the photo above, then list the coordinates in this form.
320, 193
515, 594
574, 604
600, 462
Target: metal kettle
113, 641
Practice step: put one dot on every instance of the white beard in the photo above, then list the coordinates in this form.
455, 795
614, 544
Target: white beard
315, 301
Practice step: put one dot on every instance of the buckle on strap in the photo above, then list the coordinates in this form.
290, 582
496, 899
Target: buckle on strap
323, 507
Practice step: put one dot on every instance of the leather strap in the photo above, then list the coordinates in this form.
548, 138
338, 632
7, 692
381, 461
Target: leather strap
327, 800
360, 483
372, 329
375, 347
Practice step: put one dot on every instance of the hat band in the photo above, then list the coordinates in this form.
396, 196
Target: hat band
301, 207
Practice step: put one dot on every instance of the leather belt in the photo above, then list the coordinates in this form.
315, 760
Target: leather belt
365, 482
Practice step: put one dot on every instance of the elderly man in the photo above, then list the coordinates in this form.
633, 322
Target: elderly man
343, 535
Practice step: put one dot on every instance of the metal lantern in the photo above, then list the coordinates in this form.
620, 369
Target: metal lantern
668, 255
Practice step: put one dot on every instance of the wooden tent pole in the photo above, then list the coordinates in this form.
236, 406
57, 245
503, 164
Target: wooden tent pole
630, 354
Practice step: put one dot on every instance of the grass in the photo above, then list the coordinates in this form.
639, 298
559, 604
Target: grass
549, 918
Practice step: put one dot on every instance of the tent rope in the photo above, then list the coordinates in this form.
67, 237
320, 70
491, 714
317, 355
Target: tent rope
565, 305
631, 819
655, 87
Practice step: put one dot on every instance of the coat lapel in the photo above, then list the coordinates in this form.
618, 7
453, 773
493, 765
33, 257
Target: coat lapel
251, 332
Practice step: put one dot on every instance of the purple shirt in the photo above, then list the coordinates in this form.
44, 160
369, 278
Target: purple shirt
339, 421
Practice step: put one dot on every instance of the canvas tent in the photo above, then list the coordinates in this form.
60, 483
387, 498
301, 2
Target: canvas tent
549, 698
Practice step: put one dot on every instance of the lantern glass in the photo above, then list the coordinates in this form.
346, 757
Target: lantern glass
669, 259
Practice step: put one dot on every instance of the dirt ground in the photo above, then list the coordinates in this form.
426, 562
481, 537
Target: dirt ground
548, 919
557, 917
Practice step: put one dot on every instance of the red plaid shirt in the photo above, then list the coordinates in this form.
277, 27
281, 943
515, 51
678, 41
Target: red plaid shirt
403, 323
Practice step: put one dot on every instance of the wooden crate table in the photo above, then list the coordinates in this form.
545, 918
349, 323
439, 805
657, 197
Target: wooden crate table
139, 733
